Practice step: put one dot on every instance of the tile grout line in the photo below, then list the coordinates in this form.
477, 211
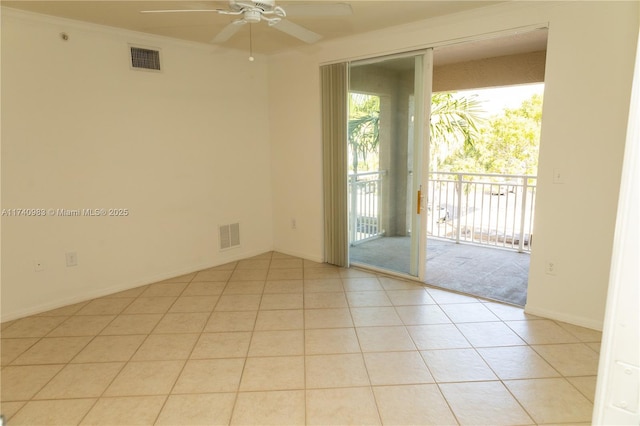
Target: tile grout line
304, 349
244, 364
125, 363
425, 362
166, 399
492, 370
69, 362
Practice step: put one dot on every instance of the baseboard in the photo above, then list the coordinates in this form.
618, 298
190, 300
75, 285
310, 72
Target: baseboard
561, 316
89, 295
306, 256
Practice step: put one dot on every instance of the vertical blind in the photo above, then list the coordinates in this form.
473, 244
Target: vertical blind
334, 79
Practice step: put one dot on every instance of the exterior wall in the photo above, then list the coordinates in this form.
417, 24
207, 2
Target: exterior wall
499, 71
184, 150
587, 84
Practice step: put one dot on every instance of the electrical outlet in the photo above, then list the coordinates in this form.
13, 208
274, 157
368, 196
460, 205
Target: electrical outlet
551, 268
72, 258
294, 224
38, 265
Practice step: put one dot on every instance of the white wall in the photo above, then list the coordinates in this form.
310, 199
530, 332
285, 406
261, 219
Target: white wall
185, 150
586, 106
294, 108
588, 80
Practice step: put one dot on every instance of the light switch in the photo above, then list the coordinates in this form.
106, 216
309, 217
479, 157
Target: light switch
558, 176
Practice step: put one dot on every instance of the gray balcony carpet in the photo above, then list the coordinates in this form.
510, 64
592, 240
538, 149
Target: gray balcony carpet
480, 271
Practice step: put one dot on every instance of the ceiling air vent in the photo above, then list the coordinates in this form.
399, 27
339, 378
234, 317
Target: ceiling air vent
229, 236
147, 59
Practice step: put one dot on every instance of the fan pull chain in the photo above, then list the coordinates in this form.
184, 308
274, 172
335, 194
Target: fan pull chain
251, 58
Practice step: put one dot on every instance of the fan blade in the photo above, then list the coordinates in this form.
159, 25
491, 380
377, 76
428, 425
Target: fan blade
296, 31
181, 10
335, 9
228, 31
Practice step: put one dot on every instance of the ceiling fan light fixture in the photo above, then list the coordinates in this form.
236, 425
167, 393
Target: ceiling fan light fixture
252, 16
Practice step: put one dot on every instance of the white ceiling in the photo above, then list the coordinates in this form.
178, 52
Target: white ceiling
203, 27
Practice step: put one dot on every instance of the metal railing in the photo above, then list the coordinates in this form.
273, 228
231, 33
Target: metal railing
487, 209
364, 205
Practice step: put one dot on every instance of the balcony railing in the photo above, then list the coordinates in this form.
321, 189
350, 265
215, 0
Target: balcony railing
364, 201
487, 209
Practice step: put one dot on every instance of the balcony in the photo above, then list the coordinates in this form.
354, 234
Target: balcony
479, 231
484, 209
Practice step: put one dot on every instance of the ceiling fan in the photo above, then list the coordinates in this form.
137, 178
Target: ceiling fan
255, 11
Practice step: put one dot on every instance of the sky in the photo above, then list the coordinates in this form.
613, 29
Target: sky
496, 99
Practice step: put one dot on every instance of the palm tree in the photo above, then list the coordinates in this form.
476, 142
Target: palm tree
363, 128
454, 124
363, 137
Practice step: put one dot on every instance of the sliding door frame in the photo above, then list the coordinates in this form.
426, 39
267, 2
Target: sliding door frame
425, 141
427, 52
421, 142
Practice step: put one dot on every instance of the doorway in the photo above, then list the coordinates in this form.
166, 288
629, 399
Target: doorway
486, 120
390, 234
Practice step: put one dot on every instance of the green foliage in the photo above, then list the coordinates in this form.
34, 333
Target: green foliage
364, 136
453, 125
462, 140
507, 144
454, 118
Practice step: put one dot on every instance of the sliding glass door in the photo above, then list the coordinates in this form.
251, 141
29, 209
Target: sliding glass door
386, 157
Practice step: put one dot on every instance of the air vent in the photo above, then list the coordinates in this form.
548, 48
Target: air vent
229, 236
147, 59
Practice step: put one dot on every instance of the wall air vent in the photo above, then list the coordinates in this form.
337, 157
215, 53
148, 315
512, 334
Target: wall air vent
146, 59
229, 236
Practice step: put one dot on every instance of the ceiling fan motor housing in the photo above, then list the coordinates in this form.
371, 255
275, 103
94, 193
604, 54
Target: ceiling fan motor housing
265, 4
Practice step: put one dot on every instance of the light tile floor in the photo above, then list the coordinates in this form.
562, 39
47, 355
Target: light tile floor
281, 340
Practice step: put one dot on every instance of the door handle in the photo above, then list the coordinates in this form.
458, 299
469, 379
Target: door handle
420, 200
